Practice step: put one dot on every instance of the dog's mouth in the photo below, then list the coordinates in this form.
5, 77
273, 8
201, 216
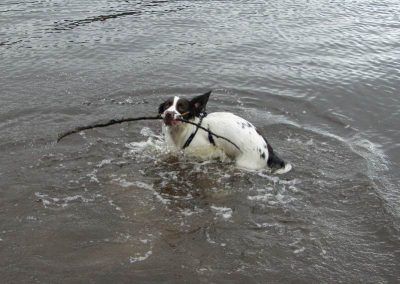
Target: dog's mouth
172, 122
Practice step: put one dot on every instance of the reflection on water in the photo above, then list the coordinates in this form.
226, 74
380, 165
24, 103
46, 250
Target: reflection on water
319, 79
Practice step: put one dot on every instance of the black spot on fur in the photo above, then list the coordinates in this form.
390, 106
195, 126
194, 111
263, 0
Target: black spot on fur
274, 162
263, 155
211, 139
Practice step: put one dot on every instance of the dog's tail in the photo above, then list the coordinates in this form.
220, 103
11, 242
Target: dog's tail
277, 165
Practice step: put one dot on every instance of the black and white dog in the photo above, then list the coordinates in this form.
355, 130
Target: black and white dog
249, 149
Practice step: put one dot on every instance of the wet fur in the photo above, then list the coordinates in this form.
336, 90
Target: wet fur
255, 151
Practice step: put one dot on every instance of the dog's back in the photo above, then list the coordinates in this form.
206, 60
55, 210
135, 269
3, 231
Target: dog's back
255, 152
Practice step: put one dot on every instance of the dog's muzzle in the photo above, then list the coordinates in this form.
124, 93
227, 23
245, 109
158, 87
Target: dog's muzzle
170, 118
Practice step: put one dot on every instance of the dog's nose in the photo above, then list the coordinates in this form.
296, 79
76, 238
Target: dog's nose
169, 115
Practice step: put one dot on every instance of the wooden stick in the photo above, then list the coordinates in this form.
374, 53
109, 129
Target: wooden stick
104, 124
118, 121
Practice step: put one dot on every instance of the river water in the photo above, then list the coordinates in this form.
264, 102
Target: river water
320, 79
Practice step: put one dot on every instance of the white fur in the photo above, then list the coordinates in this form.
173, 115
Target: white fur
172, 108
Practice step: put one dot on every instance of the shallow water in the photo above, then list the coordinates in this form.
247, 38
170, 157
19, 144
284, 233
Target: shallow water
319, 79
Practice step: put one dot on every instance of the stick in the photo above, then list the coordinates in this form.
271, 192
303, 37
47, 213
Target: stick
118, 121
104, 124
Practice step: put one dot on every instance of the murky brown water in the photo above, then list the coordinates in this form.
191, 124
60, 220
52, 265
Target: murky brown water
320, 79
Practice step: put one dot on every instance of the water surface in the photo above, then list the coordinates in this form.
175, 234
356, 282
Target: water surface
320, 79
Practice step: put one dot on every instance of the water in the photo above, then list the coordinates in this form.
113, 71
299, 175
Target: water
319, 78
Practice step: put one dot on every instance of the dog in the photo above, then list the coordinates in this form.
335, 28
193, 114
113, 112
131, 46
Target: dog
242, 142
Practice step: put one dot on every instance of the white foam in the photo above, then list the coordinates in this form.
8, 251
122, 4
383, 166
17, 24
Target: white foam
209, 240
146, 131
31, 218
284, 170
123, 182
111, 202
370, 151
187, 212
140, 258
143, 185
155, 193
104, 162
299, 250
93, 177
224, 212
63, 202
129, 100
76, 197
262, 197
265, 225
161, 199
137, 147
269, 196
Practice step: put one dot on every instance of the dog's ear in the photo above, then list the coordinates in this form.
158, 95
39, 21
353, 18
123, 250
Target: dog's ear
165, 105
161, 108
199, 103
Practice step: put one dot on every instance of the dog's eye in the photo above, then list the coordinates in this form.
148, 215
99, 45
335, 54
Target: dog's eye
182, 107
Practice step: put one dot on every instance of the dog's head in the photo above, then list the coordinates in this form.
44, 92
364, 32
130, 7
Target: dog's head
175, 108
